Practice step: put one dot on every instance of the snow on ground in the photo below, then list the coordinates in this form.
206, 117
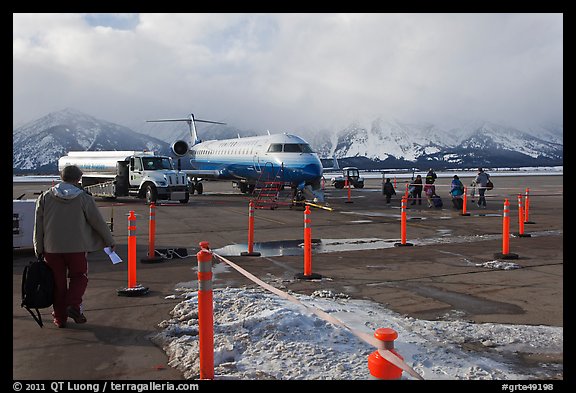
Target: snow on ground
258, 335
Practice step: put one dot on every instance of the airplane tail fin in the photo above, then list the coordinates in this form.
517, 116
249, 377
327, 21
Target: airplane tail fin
191, 120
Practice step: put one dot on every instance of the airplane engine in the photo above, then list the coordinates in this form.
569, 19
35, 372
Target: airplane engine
179, 148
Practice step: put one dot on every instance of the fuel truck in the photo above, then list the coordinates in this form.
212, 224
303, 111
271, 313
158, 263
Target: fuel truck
139, 174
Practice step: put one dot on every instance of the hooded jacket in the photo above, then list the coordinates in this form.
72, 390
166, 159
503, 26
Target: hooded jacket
456, 188
68, 220
482, 179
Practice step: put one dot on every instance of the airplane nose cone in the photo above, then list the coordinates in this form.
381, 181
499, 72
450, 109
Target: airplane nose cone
312, 171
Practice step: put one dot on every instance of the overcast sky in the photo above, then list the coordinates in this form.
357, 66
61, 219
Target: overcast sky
284, 71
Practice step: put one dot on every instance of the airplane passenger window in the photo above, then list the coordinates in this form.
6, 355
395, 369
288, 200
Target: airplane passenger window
275, 147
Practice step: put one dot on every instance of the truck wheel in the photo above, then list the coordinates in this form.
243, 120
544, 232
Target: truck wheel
151, 194
339, 185
199, 188
359, 185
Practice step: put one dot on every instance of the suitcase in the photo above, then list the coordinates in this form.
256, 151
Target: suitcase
437, 201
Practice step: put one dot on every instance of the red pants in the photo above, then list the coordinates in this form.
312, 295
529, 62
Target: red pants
75, 265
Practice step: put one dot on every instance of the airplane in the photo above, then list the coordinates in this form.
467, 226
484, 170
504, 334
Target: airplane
284, 158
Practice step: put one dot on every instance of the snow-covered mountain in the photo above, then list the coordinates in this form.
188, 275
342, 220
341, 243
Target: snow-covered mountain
38, 145
369, 144
477, 143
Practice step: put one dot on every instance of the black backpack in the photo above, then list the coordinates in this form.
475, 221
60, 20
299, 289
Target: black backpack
37, 288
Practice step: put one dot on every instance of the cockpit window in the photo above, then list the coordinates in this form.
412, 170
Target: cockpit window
306, 148
297, 148
290, 148
275, 148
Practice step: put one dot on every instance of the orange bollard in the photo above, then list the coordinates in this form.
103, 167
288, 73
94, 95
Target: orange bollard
403, 225
506, 234
152, 258
132, 289
347, 184
464, 202
250, 252
527, 208
131, 250
379, 367
205, 312
394, 182
308, 275
521, 219
506, 228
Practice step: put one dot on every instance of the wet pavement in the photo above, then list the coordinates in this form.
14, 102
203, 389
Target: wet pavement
449, 273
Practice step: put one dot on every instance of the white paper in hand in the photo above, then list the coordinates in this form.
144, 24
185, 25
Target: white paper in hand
113, 256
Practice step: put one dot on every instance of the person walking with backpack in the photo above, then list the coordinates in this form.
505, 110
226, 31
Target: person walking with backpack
431, 176
389, 190
456, 192
481, 183
67, 226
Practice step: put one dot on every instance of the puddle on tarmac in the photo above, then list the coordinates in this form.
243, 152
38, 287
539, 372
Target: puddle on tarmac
295, 247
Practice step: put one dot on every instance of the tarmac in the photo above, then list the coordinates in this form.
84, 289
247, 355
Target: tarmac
443, 276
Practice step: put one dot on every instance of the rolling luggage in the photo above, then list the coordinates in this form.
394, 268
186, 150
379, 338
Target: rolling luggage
437, 201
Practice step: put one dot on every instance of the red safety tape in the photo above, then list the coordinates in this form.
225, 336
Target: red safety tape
385, 353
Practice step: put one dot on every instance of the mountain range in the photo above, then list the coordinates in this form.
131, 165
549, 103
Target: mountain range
373, 144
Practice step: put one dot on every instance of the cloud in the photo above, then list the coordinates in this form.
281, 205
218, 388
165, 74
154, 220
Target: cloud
286, 71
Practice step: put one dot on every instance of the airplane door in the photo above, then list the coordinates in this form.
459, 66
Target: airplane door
256, 159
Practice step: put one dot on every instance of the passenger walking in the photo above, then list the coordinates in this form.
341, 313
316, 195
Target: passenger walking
431, 176
456, 192
481, 182
67, 225
389, 190
417, 193
429, 191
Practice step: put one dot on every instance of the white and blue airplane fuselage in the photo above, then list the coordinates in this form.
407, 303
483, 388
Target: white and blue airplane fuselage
283, 158
280, 157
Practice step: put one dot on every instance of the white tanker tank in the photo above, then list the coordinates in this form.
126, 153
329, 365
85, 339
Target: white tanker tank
103, 162
141, 174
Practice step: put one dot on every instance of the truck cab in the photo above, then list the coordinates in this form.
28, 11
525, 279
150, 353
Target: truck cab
350, 173
153, 177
